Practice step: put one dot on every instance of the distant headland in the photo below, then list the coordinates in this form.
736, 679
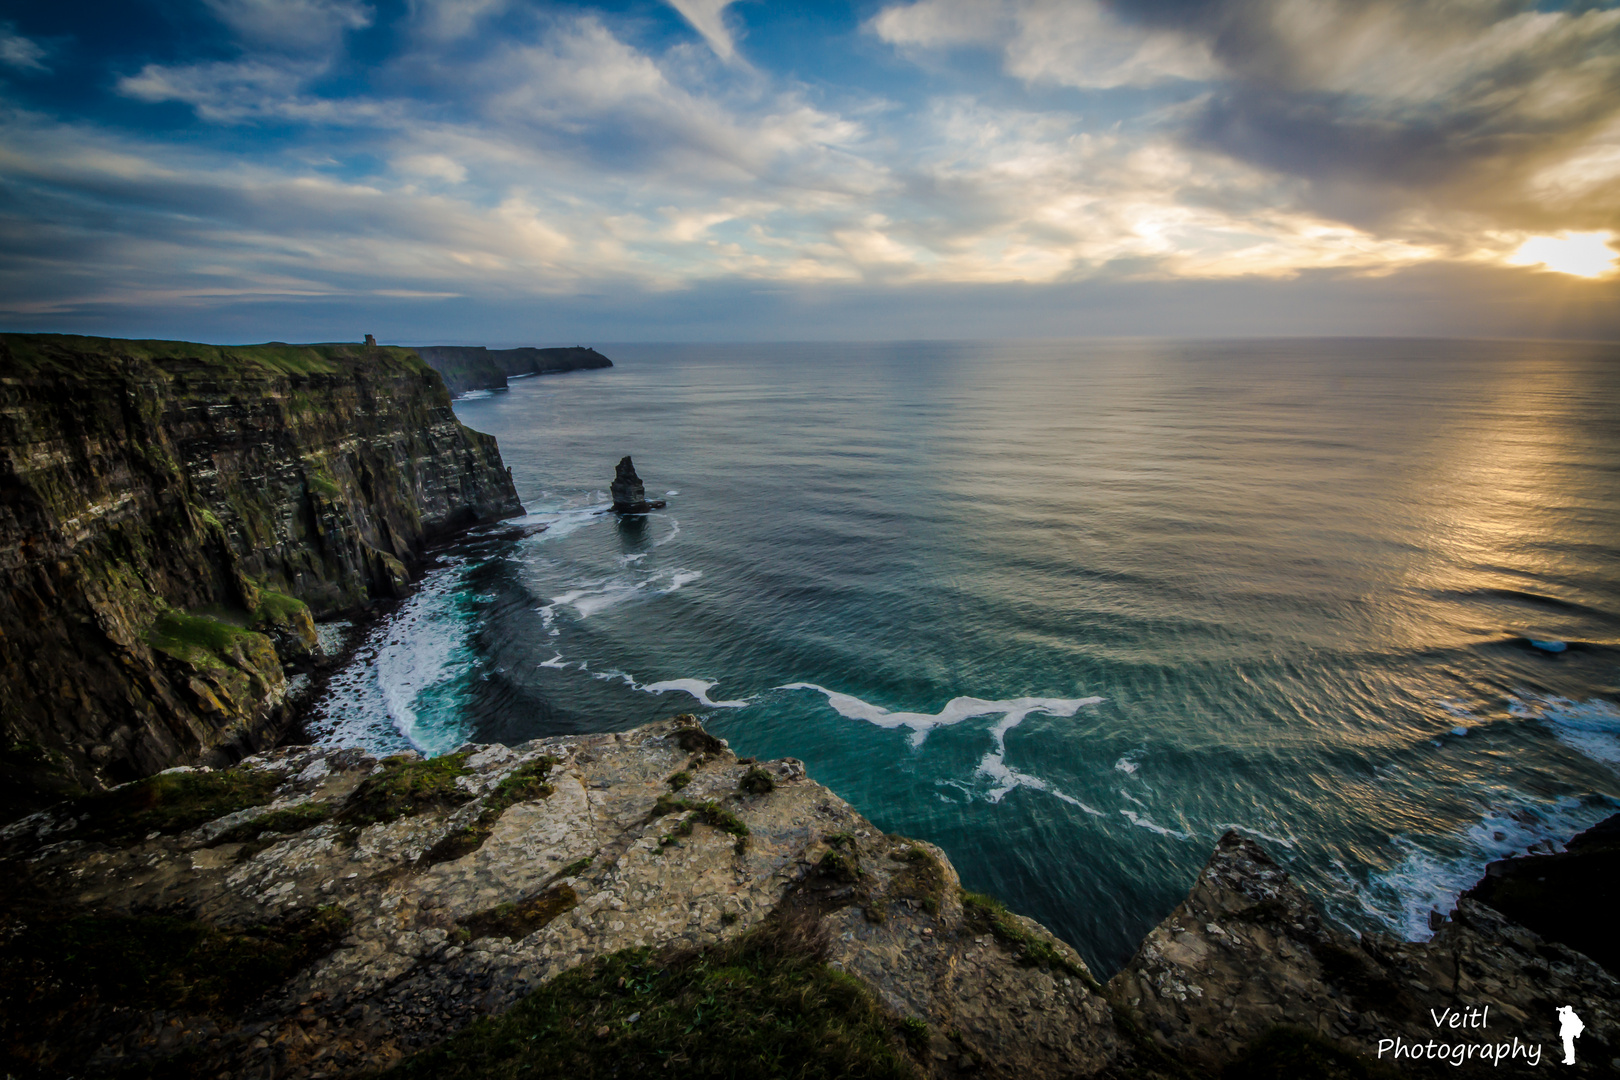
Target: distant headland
474, 367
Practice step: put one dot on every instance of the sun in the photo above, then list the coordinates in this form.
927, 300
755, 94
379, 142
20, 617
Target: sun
1583, 254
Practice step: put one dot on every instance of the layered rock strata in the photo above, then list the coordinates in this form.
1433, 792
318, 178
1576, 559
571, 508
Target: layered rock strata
174, 514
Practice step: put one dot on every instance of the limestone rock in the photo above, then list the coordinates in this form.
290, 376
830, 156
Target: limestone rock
601, 863
1247, 952
629, 496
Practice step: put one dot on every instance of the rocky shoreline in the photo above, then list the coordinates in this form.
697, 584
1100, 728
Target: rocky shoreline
408, 899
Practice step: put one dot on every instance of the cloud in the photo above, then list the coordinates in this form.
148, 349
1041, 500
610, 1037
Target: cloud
707, 17
19, 52
299, 26
450, 20
1415, 119
500, 154
1079, 43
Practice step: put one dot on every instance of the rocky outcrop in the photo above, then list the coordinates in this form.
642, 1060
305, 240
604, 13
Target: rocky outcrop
474, 367
1572, 896
317, 912
450, 889
1247, 955
629, 496
172, 516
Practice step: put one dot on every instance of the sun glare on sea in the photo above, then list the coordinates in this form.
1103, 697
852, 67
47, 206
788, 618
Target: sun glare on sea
1583, 254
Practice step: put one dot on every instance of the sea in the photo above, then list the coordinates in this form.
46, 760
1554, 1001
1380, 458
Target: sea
1070, 610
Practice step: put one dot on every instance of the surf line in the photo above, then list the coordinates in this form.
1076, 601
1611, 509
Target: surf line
697, 688
1002, 777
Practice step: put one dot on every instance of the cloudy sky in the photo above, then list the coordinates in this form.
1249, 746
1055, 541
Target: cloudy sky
509, 171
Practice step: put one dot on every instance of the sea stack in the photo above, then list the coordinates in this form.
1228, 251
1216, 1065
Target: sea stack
629, 497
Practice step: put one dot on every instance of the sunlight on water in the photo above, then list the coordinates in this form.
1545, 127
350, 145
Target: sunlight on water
1071, 610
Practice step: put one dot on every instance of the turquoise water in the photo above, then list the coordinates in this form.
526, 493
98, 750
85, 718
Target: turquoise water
1071, 609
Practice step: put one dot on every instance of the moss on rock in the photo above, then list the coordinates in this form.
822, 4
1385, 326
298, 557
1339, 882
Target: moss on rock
764, 1004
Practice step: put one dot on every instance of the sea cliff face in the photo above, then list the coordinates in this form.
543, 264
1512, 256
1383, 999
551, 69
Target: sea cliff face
173, 515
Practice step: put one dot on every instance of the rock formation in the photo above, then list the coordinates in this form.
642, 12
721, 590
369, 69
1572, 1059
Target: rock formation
317, 912
474, 367
629, 497
417, 896
1571, 897
174, 515
1247, 954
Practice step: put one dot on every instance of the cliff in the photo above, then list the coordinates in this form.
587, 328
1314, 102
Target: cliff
473, 367
647, 903
173, 515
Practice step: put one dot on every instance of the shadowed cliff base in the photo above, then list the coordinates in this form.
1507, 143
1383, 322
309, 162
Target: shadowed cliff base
174, 518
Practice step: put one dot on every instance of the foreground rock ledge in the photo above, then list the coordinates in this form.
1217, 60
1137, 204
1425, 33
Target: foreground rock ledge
407, 898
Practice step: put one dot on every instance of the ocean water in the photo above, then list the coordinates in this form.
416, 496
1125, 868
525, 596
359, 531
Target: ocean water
1070, 609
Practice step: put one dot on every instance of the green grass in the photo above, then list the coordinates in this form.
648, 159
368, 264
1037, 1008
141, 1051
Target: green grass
170, 803
922, 879
708, 811
77, 356
321, 484
518, 920
525, 783
680, 780
54, 972
694, 740
406, 786
200, 640
762, 1005
757, 781
987, 913
289, 820
277, 608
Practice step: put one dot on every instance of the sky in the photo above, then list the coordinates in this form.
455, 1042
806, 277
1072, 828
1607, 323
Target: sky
513, 172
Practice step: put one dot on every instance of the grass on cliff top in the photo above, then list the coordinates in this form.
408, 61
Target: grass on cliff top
74, 355
987, 913
762, 1005
58, 973
405, 786
169, 803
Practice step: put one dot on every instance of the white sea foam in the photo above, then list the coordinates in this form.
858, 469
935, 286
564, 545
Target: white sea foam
671, 493
1126, 765
1002, 778
955, 711
380, 701
698, 688
1433, 873
1592, 726
474, 395
1142, 821
674, 531
555, 661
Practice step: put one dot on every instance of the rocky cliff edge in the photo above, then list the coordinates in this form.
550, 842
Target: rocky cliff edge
648, 903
